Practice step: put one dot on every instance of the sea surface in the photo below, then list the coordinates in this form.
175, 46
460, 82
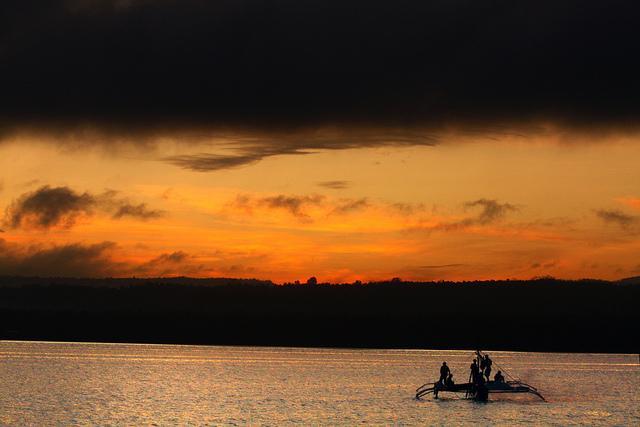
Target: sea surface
44, 383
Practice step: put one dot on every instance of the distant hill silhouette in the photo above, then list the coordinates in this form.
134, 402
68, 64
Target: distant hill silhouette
543, 314
631, 280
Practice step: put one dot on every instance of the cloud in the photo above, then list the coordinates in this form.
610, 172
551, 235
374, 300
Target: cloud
241, 150
300, 77
71, 260
171, 263
205, 162
408, 209
491, 211
616, 217
545, 265
88, 260
140, 211
49, 207
334, 185
103, 259
348, 206
173, 257
299, 206
293, 204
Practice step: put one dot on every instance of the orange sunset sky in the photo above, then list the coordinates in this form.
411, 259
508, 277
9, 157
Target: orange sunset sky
358, 140
465, 207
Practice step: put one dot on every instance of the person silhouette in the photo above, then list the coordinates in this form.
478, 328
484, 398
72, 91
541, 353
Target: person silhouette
487, 366
449, 381
444, 373
475, 371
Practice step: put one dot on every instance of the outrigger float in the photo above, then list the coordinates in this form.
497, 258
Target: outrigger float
479, 392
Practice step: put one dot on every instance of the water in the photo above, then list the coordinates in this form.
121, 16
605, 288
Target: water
128, 384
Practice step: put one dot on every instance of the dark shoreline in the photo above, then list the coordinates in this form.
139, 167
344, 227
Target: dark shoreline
267, 346
543, 315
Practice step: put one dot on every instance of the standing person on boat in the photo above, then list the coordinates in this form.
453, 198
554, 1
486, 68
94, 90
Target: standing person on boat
487, 366
475, 371
444, 373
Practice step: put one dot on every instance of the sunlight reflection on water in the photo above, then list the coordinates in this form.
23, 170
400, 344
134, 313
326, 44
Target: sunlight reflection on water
126, 384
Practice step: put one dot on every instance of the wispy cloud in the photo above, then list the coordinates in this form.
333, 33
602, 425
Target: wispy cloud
305, 208
347, 206
295, 205
616, 217
335, 185
244, 154
408, 208
140, 211
242, 150
170, 263
433, 267
491, 211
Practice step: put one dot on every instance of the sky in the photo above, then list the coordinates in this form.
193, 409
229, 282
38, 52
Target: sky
352, 140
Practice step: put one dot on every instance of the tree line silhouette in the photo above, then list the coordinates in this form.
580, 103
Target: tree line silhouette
542, 314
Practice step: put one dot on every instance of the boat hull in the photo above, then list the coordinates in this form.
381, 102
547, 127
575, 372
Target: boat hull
478, 392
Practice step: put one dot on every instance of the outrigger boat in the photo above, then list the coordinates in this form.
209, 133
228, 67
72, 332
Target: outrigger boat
479, 392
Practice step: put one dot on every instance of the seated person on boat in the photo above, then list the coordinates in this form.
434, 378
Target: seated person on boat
449, 381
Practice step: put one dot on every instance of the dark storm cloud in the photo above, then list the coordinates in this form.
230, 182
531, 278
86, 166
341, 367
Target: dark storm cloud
49, 207
75, 260
616, 217
335, 185
139, 69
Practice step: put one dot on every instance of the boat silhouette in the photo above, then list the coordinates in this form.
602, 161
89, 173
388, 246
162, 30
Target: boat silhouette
479, 391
